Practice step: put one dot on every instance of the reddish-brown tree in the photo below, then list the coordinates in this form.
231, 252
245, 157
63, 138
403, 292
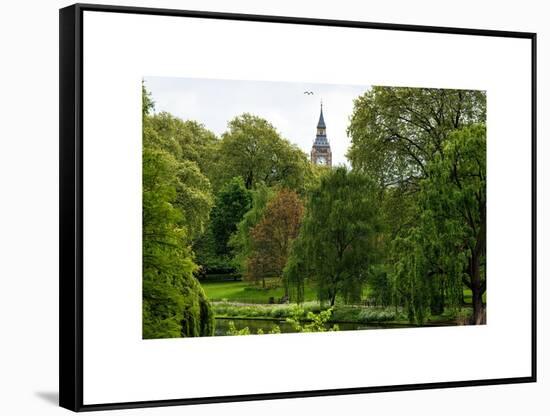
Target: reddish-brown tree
272, 237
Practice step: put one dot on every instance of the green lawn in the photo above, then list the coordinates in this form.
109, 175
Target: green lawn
246, 293
468, 296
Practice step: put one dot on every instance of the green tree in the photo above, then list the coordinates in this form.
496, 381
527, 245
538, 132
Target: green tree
174, 194
187, 140
241, 242
193, 191
147, 103
380, 286
396, 131
174, 304
447, 248
338, 238
253, 149
232, 202
193, 198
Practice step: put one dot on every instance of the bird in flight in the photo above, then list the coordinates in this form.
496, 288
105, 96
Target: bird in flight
308, 92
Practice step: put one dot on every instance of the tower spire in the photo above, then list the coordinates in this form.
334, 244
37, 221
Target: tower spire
321, 123
320, 152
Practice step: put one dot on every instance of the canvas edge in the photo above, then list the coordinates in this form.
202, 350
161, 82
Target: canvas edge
71, 193
70, 209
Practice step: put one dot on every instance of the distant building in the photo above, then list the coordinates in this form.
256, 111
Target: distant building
320, 151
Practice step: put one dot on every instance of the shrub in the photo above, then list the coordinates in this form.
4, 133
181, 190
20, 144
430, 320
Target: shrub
318, 322
232, 330
268, 311
376, 315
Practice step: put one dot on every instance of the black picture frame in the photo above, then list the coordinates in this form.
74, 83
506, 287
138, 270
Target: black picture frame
71, 206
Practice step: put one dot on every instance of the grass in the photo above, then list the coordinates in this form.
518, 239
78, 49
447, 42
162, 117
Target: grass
468, 296
243, 292
241, 300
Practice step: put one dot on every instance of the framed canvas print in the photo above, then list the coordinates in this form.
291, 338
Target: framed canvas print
260, 207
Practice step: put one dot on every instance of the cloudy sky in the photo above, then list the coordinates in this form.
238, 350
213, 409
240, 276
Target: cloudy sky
294, 114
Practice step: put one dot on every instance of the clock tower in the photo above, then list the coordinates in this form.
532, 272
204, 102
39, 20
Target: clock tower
320, 152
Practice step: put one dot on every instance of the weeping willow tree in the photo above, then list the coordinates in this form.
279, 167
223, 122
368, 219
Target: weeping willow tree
426, 278
445, 251
295, 272
337, 241
175, 199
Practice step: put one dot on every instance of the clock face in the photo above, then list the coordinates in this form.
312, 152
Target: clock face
321, 160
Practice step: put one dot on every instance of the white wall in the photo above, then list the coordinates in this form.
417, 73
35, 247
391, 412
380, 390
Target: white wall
28, 205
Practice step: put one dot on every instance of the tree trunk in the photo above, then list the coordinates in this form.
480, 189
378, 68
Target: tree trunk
437, 301
478, 287
249, 180
478, 317
477, 303
332, 298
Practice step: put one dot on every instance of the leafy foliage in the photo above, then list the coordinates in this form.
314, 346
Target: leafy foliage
232, 202
396, 131
241, 241
232, 330
399, 236
272, 237
188, 140
337, 240
228, 309
447, 247
380, 286
254, 150
316, 322
174, 304
300, 322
